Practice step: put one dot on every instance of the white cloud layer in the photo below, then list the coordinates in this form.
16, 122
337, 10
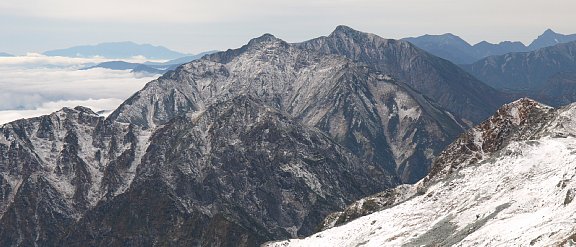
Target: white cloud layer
105, 105
36, 85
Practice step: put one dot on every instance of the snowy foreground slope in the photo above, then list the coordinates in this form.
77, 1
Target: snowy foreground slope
513, 185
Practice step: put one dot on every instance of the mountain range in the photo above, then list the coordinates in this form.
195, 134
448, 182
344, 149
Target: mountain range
117, 50
546, 74
237, 148
3, 54
370, 141
149, 67
458, 51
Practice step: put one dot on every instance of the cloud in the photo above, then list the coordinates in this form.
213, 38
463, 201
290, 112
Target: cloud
36, 85
35, 60
106, 105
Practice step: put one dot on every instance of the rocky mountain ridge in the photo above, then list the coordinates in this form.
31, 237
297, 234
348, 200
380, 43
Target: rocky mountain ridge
363, 109
512, 169
237, 148
448, 85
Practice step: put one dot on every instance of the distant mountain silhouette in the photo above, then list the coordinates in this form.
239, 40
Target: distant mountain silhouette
458, 51
149, 67
114, 65
447, 46
550, 38
548, 74
3, 54
117, 50
183, 60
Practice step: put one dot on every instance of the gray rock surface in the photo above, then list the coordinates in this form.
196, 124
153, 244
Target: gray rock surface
240, 147
438, 79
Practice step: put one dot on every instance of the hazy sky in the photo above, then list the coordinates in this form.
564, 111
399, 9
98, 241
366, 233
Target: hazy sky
194, 26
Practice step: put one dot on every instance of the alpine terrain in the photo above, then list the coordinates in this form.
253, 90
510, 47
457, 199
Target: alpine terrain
240, 147
458, 51
448, 85
507, 182
545, 74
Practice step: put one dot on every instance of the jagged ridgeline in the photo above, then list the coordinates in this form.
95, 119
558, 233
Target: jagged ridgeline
238, 148
506, 182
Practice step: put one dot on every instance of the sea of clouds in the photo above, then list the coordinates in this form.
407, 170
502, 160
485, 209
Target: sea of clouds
35, 85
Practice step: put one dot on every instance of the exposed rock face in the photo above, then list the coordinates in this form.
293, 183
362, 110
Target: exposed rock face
523, 119
238, 148
517, 166
450, 86
368, 112
56, 167
239, 172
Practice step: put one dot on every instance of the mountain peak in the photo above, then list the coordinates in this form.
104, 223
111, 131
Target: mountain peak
517, 111
344, 30
265, 38
450, 35
519, 120
550, 38
549, 32
76, 110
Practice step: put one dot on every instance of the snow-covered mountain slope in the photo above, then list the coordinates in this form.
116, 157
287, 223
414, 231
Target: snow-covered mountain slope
510, 181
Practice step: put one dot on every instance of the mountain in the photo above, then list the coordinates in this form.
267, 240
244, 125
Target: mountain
182, 60
78, 177
240, 147
3, 54
447, 46
526, 72
486, 49
511, 170
133, 67
458, 51
450, 86
559, 89
375, 116
149, 67
550, 38
114, 65
117, 50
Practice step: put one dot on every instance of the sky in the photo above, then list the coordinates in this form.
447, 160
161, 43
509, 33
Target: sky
193, 26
